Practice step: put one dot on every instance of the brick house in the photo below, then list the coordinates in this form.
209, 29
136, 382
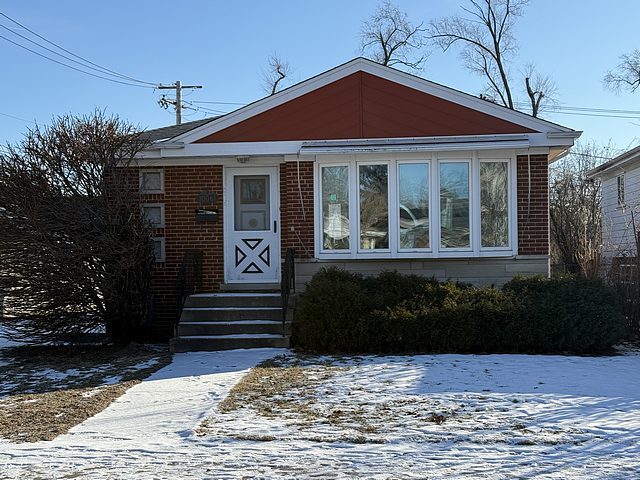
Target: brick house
364, 167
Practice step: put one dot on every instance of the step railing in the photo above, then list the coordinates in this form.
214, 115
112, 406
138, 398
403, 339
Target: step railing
188, 280
287, 283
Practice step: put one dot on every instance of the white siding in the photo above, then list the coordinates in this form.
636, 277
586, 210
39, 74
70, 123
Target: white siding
617, 223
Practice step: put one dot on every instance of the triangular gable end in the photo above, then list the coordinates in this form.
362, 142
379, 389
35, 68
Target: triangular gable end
363, 105
365, 100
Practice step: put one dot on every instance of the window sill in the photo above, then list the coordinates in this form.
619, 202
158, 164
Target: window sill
415, 255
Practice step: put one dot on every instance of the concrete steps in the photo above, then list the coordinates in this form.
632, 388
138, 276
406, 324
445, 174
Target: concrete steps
232, 319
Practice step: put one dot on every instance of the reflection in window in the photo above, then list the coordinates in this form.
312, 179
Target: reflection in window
454, 205
374, 207
251, 203
153, 215
335, 208
151, 181
413, 208
494, 204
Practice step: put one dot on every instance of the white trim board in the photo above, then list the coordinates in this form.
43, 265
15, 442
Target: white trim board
349, 146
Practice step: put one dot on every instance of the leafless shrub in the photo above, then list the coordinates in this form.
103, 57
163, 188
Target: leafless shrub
575, 212
75, 255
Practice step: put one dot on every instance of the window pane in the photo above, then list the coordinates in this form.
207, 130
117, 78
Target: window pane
374, 208
413, 191
158, 249
454, 205
151, 181
335, 208
494, 204
153, 215
251, 204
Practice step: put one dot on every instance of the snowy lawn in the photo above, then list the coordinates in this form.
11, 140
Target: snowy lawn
429, 416
45, 390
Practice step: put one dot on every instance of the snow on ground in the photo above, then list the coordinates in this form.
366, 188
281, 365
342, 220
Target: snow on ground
4, 341
427, 416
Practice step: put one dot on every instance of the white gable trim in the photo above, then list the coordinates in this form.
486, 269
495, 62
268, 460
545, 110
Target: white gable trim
364, 65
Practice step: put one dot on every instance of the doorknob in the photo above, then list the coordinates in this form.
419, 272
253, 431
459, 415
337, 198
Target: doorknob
275, 226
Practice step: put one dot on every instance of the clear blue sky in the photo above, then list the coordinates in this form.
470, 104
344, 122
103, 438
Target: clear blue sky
224, 46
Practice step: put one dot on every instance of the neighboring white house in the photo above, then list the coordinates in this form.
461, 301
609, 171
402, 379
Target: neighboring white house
620, 208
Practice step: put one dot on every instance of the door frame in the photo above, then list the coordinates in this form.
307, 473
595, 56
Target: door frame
229, 215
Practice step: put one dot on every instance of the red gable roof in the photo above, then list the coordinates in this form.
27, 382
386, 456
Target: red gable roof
362, 105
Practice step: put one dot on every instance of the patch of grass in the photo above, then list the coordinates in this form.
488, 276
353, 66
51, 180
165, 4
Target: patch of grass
46, 390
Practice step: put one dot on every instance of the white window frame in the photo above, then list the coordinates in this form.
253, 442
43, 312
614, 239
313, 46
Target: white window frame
142, 171
433, 159
154, 205
163, 249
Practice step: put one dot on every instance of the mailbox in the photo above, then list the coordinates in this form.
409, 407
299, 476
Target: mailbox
207, 215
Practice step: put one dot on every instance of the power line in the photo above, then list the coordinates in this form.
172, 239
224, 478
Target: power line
219, 103
17, 118
59, 54
99, 68
72, 67
588, 111
597, 115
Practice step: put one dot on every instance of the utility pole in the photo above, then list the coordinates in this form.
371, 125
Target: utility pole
178, 101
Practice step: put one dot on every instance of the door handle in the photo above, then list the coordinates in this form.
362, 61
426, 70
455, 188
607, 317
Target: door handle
275, 226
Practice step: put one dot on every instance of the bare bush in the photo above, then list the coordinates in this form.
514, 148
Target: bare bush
75, 255
575, 212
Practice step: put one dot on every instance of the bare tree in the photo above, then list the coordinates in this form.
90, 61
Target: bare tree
488, 46
626, 76
391, 39
541, 90
278, 69
75, 255
575, 210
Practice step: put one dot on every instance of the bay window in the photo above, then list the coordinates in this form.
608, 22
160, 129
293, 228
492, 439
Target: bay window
411, 206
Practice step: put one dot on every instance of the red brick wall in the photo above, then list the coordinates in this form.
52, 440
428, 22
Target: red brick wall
294, 212
533, 205
181, 232
183, 184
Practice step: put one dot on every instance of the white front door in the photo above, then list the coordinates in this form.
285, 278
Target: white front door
252, 225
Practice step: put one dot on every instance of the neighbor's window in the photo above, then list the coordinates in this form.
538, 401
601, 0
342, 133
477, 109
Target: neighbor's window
454, 205
413, 205
374, 207
152, 181
621, 189
159, 253
153, 214
335, 207
494, 204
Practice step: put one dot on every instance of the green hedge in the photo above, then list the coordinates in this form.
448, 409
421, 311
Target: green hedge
342, 312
